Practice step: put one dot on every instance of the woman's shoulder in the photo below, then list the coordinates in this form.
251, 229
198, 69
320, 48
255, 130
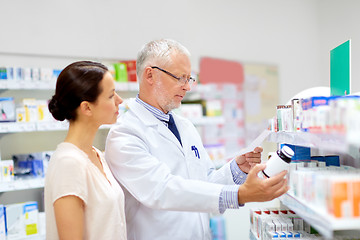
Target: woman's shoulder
68, 153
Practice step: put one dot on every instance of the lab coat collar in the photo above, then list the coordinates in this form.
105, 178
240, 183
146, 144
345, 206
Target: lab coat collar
148, 119
145, 116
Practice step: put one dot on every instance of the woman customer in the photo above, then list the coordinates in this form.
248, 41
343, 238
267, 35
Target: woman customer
82, 198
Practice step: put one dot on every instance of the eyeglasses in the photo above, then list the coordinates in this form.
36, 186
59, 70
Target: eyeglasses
182, 80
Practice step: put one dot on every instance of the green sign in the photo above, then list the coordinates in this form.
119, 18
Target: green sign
340, 69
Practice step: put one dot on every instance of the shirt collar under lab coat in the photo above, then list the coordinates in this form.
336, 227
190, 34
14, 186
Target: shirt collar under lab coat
154, 111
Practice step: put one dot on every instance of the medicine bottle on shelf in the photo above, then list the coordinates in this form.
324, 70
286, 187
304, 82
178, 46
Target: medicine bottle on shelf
278, 162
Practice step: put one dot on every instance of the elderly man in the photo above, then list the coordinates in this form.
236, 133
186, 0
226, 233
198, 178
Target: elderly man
169, 181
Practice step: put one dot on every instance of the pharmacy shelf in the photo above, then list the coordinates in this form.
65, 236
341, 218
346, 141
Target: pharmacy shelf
127, 87
208, 120
324, 141
22, 184
323, 222
41, 230
50, 85
14, 127
28, 85
37, 237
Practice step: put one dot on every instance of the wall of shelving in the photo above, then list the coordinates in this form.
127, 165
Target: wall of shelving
324, 222
25, 137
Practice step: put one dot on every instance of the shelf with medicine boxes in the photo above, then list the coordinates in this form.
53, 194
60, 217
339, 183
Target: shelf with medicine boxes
39, 237
324, 174
25, 223
333, 142
217, 110
323, 222
26, 128
22, 184
325, 187
284, 223
50, 85
16, 127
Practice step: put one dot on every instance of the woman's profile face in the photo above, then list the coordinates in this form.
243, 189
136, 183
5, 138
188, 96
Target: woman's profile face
106, 106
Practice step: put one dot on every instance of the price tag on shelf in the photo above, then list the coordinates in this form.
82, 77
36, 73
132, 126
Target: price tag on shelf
10, 186
26, 127
28, 85
22, 184
4, 127
12, 85
38, 85
3, 84
32, 183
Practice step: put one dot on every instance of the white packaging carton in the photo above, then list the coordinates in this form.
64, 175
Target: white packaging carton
2, 222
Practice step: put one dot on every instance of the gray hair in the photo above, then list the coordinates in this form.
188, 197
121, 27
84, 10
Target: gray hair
157, 52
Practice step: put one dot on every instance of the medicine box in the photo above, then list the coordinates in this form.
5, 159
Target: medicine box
217, 226
7, 170
131, 70
14, 220
7, 110
34, 162
31, 218
2, 222
121, 74
22, 219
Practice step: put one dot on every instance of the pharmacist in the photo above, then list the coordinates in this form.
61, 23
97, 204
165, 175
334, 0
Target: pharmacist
170, 183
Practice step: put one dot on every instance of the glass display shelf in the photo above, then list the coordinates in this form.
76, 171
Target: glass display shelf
322, 221
22, 184
334, 142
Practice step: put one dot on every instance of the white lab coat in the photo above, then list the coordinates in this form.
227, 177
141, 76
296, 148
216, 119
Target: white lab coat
169, 191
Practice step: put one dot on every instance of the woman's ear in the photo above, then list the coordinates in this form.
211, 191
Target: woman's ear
85, 108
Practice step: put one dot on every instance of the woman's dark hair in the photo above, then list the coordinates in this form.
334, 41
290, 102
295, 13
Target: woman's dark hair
78, 82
